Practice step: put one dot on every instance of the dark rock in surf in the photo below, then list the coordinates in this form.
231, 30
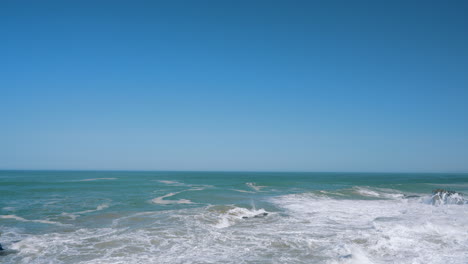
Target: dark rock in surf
6, 251
256, 216
411, 196
261, 215
442, 196
443, 191
347, 256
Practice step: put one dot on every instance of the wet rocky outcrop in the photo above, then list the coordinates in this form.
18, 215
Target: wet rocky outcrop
443, 196
256, 216
443, 191
411, 196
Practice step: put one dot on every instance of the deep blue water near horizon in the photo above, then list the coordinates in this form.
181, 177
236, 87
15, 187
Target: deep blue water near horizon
231, 217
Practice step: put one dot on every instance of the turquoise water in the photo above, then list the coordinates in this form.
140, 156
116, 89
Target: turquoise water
218, 217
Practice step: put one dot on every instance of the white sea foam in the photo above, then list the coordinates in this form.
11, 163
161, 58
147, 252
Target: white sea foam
76, 214
254, 186
98, 179
372, 231
196, 189
174, 183
160, 200
21, 219
242, 191
177, 183
367, 192
378, 192
307, 228
235, 215
174, 236
447, 198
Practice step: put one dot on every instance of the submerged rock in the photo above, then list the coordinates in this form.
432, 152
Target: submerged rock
1, 247
261, 215
411, 196
6, 252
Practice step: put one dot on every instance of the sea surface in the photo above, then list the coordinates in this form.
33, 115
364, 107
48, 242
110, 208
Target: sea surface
231, 217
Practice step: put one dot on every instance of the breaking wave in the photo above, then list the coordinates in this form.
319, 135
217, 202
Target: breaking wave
445, 198
378, 193
370, 231
306, 228
236, 214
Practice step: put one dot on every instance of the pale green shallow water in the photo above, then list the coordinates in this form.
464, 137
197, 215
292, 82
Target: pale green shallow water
197, 217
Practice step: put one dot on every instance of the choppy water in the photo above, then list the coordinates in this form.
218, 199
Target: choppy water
209, 217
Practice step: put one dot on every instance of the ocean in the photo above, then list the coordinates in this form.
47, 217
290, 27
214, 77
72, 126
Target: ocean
232, 217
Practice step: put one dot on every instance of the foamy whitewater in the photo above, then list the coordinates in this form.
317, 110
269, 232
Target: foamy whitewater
227, 217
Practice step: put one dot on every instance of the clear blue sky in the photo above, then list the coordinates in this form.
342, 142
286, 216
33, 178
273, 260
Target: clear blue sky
234, 85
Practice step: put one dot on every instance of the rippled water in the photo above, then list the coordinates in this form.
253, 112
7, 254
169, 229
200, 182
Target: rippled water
227, 217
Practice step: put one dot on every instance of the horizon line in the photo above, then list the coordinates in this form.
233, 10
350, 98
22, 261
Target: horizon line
235, 171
